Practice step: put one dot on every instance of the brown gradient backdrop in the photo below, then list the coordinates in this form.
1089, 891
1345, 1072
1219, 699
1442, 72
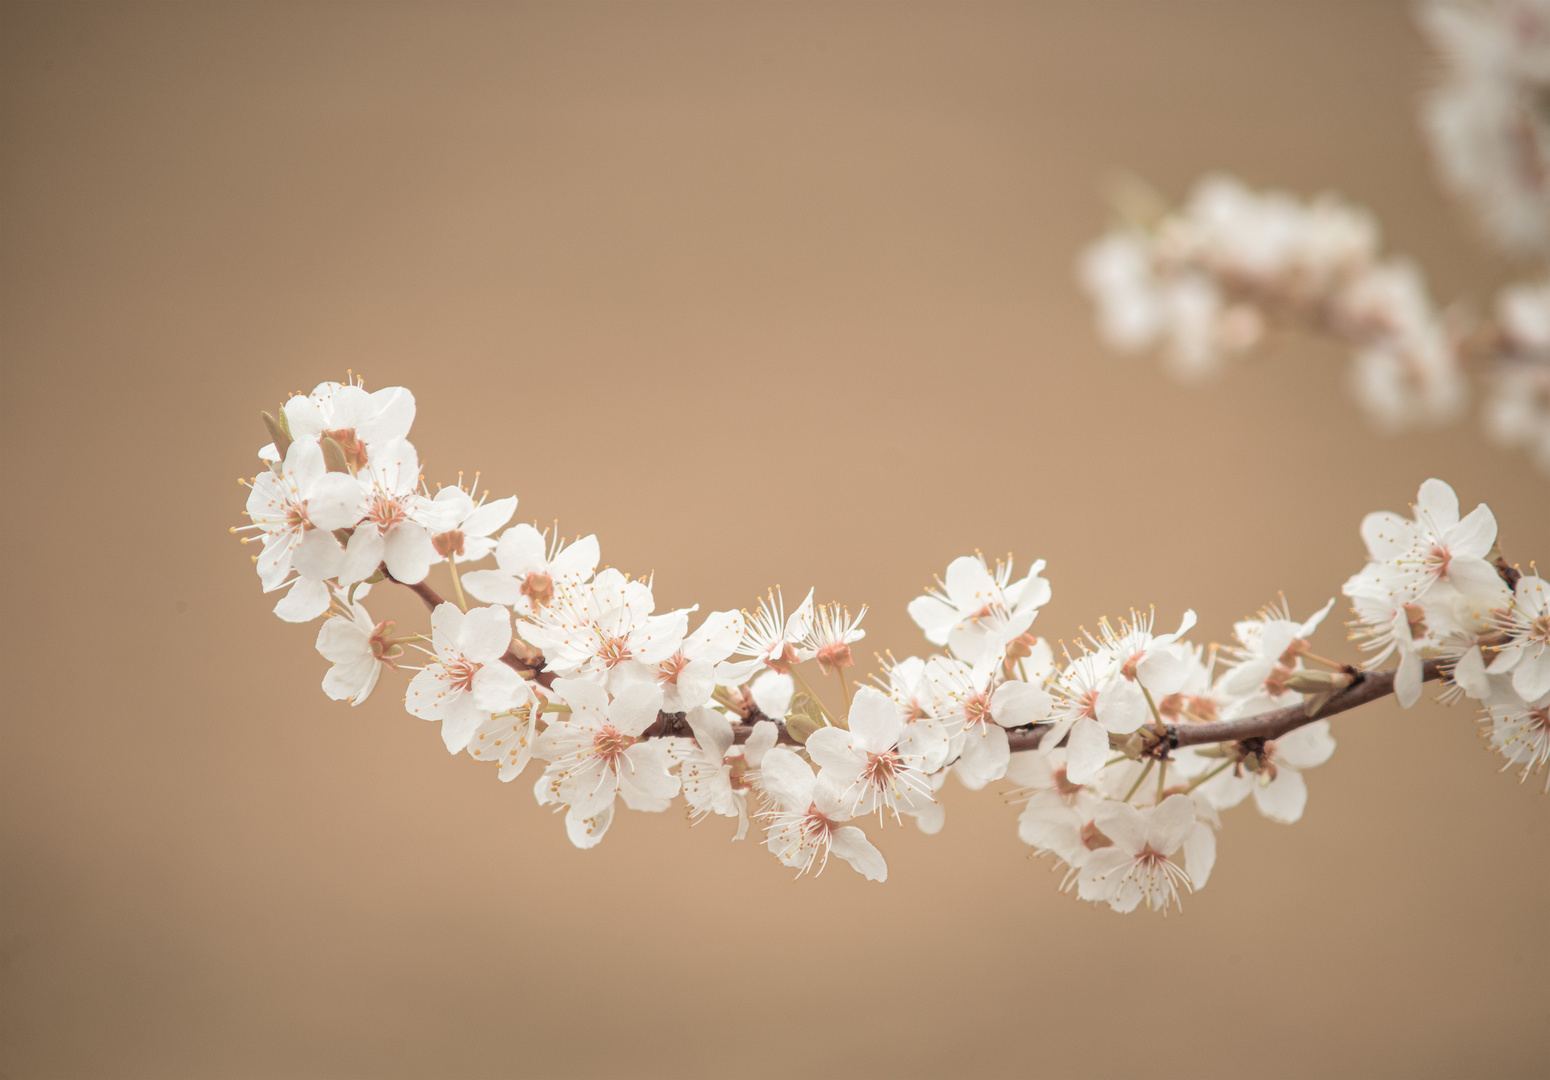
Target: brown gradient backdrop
759, 294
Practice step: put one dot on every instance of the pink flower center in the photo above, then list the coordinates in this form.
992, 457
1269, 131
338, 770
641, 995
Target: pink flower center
737, 774
782, 662
669, 669
460, 673
814, 825
382, 645
1064, 785
614, 651
609, 744
385, 511
880, 769
976, 710
1439, 558
834, 656
1539, 630
539, 589
1093, 838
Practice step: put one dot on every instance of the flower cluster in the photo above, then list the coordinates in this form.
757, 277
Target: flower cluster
1205, 281
1435, 585
1517, 406
1124, 750
1486, 116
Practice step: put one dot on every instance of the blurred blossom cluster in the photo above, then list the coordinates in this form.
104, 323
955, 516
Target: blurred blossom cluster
1208, 280
1488, 117
1124, 750
1204, 282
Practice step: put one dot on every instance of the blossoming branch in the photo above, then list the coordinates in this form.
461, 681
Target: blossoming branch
1205, 281
1123, 752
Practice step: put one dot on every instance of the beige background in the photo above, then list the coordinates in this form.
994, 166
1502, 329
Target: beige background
759, 294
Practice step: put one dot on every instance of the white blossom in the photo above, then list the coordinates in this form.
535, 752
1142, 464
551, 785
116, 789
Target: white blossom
1139, 865
467, 526
602, 628
359, 422
398, 521
770, 640
719, 775
688, 676
1093, 700
1273, 773
1486, 116
880, 763
975, 714
596, 753
806, 823
1526, 652
358, 648
467, 681
530, 568
831, 635
1519, 730
297, 511
1269, 649
977, 612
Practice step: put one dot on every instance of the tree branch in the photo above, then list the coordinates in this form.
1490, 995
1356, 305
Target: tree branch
1370, 686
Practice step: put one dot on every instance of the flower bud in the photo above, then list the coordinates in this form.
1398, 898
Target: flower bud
804, 718
279, 431
333, 455
1318, 682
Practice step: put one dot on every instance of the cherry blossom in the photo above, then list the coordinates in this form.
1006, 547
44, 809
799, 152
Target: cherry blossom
1269, 649
1519, 730
975, 715
398, 522
467, 681
595, 753
1526, 652
1093, 700
507, 736
1273, 772
605, 629
770, 639
880, 763
830, 636
1057, 816
358, 649
1487, 129
467, 525
806, 825
977, 612
717, 775
530, 569
1438, 545
688, 676
1138, 864
300, 506
352, 418
1123, 757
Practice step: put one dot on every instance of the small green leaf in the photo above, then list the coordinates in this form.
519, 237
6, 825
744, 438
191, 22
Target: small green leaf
279, 431
333, 455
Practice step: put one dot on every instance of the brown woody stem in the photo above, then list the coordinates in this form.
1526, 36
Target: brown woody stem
1370, 686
